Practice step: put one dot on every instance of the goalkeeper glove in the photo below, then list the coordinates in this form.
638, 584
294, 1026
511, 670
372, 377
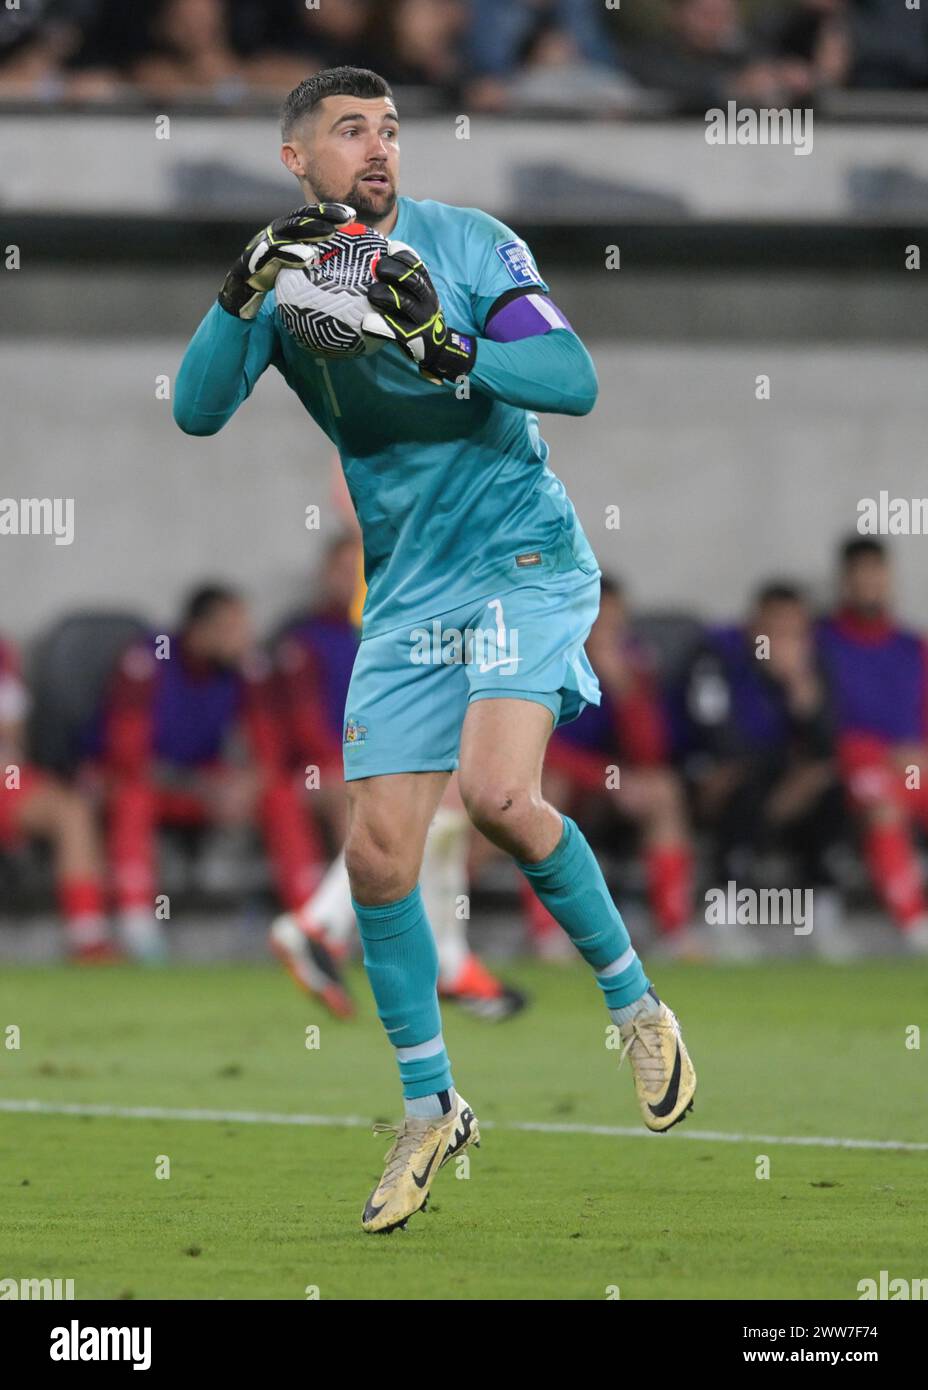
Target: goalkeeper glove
407, 303
288, 241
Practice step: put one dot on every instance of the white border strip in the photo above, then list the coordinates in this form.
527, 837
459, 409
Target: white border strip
270, 1117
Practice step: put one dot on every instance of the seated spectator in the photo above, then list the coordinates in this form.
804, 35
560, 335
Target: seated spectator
811, 45
35, 805
627, 731
555, 76
188, 51
501, 37
422, 43
709, 58
42, 50
765, 772
409, 41
879, 672
288, 41
190, 738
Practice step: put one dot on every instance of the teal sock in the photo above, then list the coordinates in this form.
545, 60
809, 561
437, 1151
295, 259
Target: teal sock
570, 883
402, 966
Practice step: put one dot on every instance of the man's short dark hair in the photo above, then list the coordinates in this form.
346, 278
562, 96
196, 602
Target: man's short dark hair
856, 547
778, 591
331, 82
204, 601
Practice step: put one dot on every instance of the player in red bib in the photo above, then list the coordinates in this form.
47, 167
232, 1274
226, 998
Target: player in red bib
191, 738
879, 673
35, 805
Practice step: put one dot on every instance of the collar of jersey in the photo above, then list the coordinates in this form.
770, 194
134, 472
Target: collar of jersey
397, 232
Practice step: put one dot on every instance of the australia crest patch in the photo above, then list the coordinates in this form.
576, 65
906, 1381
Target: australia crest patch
355, 732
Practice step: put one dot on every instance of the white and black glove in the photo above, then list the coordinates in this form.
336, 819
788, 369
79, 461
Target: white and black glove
290, 241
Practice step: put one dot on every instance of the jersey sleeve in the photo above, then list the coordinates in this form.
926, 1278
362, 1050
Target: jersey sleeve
498, 263
552, 373
224, 360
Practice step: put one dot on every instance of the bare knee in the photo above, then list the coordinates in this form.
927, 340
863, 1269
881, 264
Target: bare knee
380, 868
505, 813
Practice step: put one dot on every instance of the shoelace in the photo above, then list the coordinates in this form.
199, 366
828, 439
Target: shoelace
395, 1159
651, 1065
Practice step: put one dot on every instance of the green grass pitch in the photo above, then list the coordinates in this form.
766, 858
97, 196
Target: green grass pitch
271, 1210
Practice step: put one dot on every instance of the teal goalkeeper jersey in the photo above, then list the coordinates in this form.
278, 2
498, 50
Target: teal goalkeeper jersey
454, 494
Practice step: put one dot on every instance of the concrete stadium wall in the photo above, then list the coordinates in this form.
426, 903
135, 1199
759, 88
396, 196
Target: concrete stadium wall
716, 489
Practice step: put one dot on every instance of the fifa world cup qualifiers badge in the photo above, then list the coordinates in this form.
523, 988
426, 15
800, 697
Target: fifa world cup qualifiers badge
517, 259
354, 732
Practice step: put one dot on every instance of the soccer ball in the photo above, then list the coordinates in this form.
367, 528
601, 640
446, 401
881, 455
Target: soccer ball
323, 305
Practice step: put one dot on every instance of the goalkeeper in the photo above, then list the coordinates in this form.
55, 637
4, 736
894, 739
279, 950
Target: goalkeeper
472, 551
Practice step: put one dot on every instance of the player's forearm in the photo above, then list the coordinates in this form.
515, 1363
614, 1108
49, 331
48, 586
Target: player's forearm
550, 372
212, 381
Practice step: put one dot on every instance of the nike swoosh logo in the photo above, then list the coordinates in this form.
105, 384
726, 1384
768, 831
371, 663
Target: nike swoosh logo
420, 1182
670, 1099
503, 661
460, 1138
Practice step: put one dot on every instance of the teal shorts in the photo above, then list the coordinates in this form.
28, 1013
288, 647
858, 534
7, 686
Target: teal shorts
410, 687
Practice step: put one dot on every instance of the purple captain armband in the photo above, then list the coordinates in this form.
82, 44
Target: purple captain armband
524, 316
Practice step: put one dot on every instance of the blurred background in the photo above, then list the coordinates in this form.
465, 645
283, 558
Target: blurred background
139, 150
